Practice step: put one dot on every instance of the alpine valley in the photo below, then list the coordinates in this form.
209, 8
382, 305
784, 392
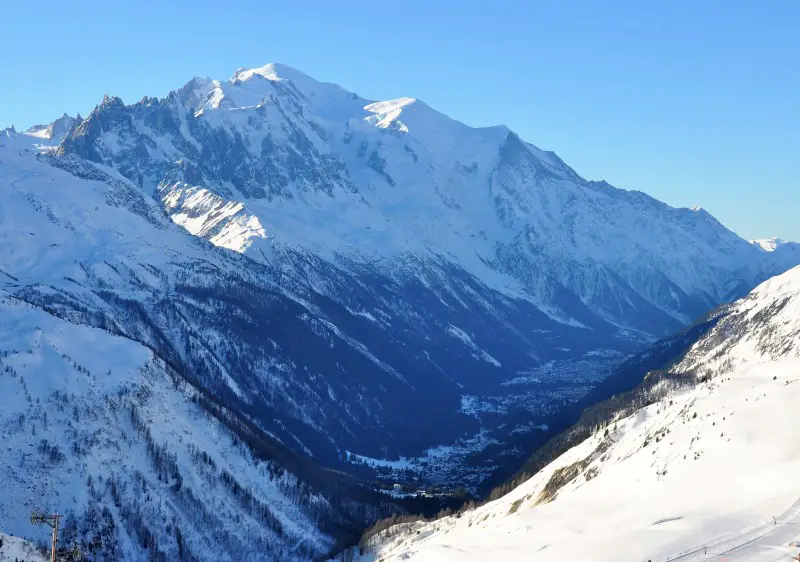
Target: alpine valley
245, 321
698, 462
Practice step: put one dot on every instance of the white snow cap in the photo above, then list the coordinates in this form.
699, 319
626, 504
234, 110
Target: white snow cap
271, 71
768, 244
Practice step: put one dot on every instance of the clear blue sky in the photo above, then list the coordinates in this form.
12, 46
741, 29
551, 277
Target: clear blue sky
696, 102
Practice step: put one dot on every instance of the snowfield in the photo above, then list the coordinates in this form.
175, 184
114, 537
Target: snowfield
15, 549
768, 244
705, 473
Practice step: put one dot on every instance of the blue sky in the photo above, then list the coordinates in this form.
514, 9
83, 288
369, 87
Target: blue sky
693, 102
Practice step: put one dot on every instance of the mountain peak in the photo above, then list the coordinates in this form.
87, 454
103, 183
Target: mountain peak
110, 101
274, 71
55, 131
768, 244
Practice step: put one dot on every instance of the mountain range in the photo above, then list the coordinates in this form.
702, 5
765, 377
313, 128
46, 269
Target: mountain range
270, 299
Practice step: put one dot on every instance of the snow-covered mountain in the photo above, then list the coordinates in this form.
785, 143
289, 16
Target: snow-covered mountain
54, 133
769, 244
272, 159
104, 416
258, 296
706, 468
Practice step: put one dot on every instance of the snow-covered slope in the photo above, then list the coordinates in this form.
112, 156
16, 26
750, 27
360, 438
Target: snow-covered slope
769, 244
708, 469
95, 427
54, 133
15, 549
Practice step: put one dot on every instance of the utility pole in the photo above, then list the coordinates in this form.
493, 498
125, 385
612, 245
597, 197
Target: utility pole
52, 520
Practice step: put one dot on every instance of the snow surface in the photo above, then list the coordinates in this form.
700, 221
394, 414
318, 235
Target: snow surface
201, 212
460, 334
61, 390
769, 244
708, 473
16, 549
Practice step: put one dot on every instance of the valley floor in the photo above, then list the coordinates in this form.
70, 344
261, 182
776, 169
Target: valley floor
709, 473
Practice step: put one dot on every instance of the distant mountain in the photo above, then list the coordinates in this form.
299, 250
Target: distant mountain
769, 244
56, 131
232, 313
700, 461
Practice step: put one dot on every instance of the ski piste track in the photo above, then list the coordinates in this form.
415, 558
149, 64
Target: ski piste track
767, 542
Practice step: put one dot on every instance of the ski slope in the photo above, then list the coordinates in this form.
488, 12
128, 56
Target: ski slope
708, 472
774, 540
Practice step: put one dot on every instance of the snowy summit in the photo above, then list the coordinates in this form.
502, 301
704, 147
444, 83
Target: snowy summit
769, 244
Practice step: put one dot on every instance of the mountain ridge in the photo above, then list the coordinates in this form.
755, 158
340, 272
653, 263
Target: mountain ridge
363, 185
